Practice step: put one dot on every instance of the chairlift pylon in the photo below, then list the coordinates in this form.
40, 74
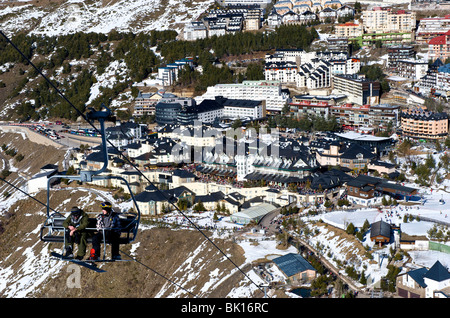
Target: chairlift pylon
52, 229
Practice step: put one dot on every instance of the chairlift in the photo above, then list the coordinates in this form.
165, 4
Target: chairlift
53, 230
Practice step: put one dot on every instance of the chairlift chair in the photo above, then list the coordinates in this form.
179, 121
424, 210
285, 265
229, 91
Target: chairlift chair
53, 231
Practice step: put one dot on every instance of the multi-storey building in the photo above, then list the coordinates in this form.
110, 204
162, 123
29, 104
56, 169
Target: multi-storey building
419, 123
358, 89
224, 21
338, 44
378, 117
351, 156
269, 91
399, 52
443, 80
345, 66
145, 103
169, 74
383, 115
237, 3
285, 72
384, 20
303, 105
195, 30
351, 115
167, 109
285, 55
312, 70
428, 83
439, 47
314, 75
392, 38
348, 30
430, 28
205, 112
412, 69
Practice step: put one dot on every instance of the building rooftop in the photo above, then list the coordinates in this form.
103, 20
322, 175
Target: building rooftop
291, 264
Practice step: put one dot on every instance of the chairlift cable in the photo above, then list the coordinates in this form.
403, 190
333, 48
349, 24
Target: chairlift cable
126, 158
17, 188
139, 262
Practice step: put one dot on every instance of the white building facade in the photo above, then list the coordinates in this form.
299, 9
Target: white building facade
268, 91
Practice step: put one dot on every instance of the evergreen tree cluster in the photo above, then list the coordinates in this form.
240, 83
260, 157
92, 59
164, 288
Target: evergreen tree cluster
135, 50
54, 55
375, 73
285, 36
305, 123
56, 52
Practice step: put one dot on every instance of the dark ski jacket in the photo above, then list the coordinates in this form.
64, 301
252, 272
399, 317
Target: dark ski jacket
108, 221
81, 223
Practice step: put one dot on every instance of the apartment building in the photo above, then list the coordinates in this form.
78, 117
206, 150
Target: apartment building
253, 19
304, 105
385, 20
378, 116
358, 89
241, 108
167, 109
412, 69
223, 21
205, 112
428, 83
443, 80
282, 71
351, 115
430, 28
351, 156
237, 3
285, 55
169, 74
383, 115
345, 66
338, 44
348, 30
312, 70
314, 75
195, 30
439, 47
399, 52
144, 103
269, 91
419, 123
392, 38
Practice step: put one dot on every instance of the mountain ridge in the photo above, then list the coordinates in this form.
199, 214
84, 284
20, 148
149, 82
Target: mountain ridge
71, 16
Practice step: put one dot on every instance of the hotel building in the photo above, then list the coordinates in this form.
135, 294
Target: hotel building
359, 90
269, 91
439, 47
419, 123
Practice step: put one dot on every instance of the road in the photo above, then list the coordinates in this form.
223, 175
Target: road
74, 141
267, 222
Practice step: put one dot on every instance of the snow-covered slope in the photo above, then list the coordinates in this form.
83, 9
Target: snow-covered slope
101, 16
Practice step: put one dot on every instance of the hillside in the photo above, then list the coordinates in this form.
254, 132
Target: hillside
63, 17
83, 69
184, 257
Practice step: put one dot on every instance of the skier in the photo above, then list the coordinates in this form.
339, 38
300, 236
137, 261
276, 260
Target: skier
75, 225
108, 223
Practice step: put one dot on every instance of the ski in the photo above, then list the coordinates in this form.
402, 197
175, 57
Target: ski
79, 262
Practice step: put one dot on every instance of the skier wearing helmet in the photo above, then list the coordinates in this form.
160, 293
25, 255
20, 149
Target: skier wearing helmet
108, 223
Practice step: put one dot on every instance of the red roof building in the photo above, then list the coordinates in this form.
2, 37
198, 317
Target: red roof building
439, 47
